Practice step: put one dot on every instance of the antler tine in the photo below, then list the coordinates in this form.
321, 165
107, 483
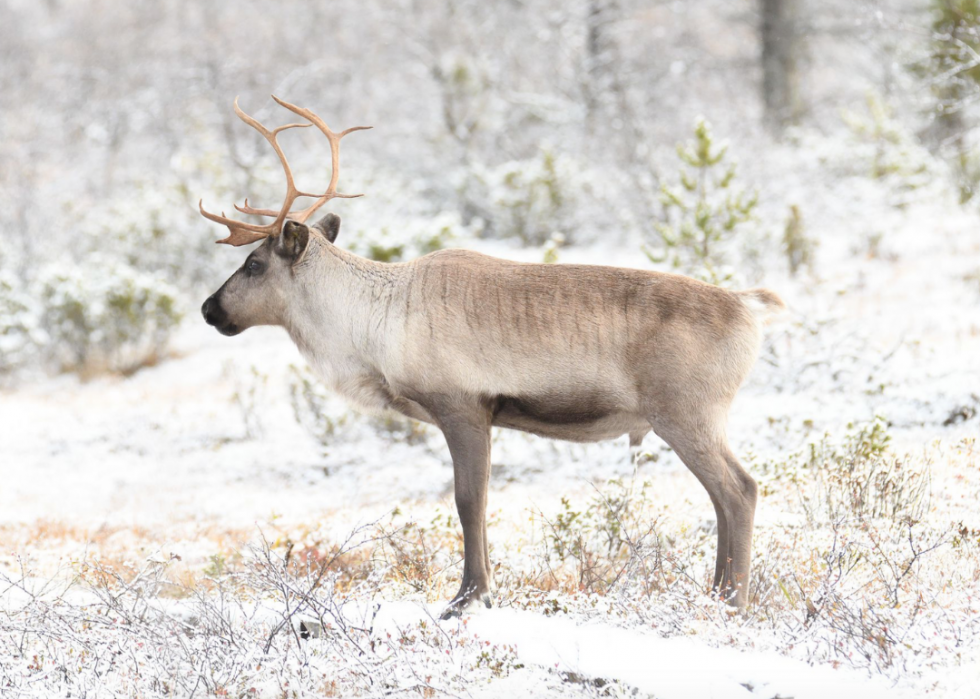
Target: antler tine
334, 139
242, 233
246, 209
272, 137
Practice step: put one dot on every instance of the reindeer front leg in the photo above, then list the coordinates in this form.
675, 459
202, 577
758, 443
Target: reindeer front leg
467, 432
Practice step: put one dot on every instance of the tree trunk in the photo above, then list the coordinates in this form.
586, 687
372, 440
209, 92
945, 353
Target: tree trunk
598, 60
780, 80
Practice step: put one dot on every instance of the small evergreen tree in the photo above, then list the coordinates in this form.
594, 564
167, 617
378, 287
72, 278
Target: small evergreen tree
797, 246
954, 75
703, 211
891, 150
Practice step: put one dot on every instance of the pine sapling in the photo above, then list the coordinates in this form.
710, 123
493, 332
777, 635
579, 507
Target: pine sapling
796, 244
703, 211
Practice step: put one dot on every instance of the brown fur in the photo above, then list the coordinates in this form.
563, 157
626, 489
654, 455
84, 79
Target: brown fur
466, 341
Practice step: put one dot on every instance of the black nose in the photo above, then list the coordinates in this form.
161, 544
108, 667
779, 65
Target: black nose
212, 312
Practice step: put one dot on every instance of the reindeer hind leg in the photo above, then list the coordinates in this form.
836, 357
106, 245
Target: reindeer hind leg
703, 448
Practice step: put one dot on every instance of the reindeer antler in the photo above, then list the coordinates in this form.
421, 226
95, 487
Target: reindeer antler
244, 233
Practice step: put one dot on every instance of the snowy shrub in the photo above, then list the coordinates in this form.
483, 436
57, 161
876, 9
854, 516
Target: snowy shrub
704, 211
421, 557
854, 589
603, 538
407, 239
249, 394
532, 199
555, 242
858, 594
853, 476
314, 407
102, 315
18, 324
110, 299
274, 627
105, 315
465, 90
951, 72
886, 148
152, 227
344, 616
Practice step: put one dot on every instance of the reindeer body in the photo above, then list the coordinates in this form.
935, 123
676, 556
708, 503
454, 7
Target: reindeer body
574, 352
466, 342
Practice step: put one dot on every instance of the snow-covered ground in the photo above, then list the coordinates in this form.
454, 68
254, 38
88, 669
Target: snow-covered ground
186, 464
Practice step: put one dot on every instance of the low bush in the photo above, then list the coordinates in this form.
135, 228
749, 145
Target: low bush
595, 544
533, 199
886, 149
104, 315
853, 475
412, 237
111, 299
19, 332
275, 624
872, 589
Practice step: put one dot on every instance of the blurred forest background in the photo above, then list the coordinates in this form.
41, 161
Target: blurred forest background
542, 124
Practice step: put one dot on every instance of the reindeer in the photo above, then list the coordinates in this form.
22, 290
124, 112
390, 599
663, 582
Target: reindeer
466, 342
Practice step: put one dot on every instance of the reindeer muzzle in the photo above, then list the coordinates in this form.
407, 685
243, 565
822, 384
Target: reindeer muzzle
215, 316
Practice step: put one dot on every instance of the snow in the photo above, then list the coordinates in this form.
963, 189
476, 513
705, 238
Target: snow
675, 668
164, 463
160, 532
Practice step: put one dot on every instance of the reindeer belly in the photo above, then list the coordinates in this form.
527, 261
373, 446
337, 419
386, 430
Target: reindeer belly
576, 419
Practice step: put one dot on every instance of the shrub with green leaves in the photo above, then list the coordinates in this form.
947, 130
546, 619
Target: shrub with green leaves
111, 299
956, 36
555, 242
18, 324
597, 543
104, 315
329, 420
886, 148
703, 211
854, 476
314, 407
413, 237
532, 199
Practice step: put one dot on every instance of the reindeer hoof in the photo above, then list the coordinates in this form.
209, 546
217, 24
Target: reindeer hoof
465, 604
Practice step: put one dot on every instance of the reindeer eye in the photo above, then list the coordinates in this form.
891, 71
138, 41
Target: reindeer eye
253, 267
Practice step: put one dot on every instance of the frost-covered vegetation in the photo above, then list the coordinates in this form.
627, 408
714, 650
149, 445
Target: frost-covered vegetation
704, 210
523, 124
191, 515
863, 573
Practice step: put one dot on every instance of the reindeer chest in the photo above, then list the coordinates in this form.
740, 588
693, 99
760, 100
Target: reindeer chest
360, 385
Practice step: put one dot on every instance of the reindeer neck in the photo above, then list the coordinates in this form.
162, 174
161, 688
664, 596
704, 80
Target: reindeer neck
340, 320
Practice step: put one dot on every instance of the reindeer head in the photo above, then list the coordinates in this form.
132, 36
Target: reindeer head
258, 292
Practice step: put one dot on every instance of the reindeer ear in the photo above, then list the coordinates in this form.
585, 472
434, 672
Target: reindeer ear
294, 239
329, 225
